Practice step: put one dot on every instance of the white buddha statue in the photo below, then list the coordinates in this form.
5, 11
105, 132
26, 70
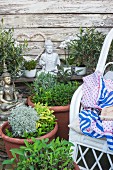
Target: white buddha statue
49, 59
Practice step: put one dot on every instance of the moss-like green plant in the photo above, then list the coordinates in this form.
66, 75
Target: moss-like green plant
41, 155
30, 65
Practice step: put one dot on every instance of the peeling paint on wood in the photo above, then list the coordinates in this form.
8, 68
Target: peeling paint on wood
55, 6
55, 19
58, 20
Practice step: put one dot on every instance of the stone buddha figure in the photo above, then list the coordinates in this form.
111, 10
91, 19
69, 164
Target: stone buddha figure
49, 59
8, 94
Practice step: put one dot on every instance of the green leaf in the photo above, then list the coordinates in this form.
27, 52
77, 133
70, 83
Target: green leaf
8, 161
31, 167
17, 151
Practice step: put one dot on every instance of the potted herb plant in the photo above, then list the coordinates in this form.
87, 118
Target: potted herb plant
57, 95
84, 49
56, 155
30, 68
11, 51
26, 122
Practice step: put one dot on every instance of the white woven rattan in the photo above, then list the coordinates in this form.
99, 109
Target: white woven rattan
90, 153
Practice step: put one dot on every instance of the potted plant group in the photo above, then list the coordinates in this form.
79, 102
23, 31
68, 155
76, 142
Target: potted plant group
55, 155
30, 68
57, 95
84, 49
25, 122
11, 51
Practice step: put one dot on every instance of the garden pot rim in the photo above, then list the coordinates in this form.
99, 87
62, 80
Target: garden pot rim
21, 141
66, 107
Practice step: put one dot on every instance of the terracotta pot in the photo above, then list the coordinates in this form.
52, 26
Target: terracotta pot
16, 142
62, 115
76, 166
29, 102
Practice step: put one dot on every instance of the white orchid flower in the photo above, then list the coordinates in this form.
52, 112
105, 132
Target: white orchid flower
16, 44
63, 45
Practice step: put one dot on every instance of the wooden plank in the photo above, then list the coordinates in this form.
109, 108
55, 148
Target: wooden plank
56, 34
57, 20
55, 6
37, 48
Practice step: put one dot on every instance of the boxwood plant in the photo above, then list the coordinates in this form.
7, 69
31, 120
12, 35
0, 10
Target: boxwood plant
48, 90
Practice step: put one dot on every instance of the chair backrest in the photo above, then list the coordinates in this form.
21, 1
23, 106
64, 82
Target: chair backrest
104, 52
76, 99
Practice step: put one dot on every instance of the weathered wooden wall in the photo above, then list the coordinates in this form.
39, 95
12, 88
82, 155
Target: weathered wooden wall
54, 19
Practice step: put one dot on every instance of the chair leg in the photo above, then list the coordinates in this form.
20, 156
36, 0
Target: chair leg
93, 159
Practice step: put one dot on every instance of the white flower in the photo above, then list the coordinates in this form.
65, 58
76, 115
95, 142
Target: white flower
27, 58
72, 37
67, 41
16, 44
64, 44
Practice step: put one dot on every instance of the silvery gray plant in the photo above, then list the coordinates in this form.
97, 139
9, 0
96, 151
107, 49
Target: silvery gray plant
43, 80
23, 119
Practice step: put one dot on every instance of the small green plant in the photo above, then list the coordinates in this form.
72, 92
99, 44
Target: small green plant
63, 75
27, 122
58, 95
47, 120
84, 49
42, 82
41, 155
11, 51
30, 65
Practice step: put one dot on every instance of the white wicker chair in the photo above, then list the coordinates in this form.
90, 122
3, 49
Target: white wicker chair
90, 153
